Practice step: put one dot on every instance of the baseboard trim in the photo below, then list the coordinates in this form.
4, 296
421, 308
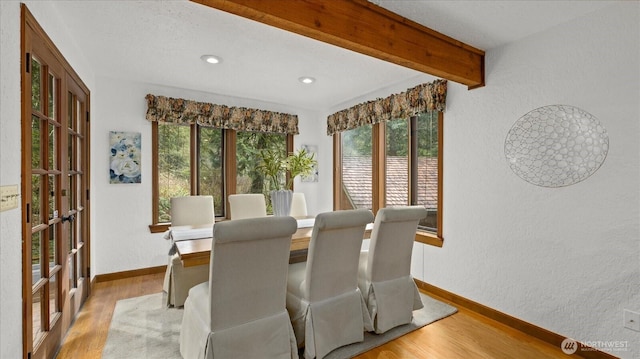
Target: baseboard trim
513, 322
128, 274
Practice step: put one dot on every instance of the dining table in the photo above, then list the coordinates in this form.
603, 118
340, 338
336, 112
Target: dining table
198, 251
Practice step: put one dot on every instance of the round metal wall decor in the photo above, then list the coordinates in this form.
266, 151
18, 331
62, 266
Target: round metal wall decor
556, 146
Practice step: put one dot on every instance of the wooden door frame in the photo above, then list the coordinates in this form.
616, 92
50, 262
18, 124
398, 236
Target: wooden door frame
33, 37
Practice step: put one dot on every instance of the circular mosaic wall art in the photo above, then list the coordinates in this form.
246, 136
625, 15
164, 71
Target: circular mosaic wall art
556, 146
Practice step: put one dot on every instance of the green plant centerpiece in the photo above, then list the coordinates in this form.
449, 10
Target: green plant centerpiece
275, 165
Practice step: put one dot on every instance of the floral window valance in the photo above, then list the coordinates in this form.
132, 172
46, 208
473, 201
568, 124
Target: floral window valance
187, 112
429, 96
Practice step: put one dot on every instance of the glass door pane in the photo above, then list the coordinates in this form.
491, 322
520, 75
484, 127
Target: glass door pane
37, 312
36, 200
36, 258
36, 154
36, 85
54, 303
52, 153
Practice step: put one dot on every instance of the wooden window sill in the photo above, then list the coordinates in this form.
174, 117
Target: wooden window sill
429, 238
159, 227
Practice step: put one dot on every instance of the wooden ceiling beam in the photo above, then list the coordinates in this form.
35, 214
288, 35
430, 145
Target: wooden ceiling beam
363, 27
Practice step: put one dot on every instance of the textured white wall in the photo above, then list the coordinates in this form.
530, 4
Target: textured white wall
10, 231
566, 259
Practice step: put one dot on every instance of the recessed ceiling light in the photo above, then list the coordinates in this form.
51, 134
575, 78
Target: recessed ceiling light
211, 59
307, 80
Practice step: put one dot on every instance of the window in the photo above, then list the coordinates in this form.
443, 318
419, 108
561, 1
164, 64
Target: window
356, 189
174, 170
210, 142
197, 160
411, 165
393, 163
426, 184
248, 148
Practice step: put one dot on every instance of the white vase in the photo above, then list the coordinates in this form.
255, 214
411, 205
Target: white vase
281, 202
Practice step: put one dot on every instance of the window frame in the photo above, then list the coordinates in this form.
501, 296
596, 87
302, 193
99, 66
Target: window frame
379, 177
229, 169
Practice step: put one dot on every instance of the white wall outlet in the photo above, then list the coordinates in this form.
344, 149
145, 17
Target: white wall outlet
9, 197
632, 320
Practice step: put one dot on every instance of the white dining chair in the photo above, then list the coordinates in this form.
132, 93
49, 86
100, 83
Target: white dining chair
247, 205
240, 311
298, 205
193, 216
326, 307
384, 272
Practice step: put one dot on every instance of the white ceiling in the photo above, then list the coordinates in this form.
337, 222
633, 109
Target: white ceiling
161, 42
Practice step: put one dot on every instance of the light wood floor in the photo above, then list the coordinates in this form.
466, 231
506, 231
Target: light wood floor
463, 335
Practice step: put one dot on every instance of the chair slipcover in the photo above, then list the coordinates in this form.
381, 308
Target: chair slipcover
187, 212
240, 312
384, 274
298, 205
247, 205
326, 307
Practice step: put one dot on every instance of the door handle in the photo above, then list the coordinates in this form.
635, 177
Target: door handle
69, 218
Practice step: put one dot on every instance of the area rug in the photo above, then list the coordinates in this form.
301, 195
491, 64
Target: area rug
143, 327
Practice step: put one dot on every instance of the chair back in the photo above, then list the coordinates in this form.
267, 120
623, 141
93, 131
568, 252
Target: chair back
247, 205
192, 210
391, 243
248, 269
334, 249
298, 205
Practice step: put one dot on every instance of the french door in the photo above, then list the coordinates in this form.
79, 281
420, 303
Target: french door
55, 193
